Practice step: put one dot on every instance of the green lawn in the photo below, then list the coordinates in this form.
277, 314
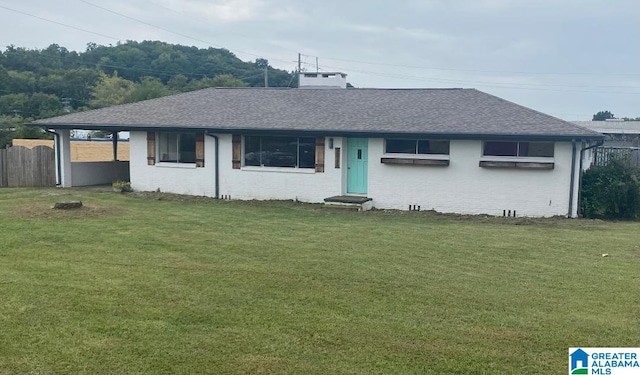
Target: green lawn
157, 284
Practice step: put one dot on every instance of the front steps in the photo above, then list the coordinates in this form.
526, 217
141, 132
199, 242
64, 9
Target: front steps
350, 201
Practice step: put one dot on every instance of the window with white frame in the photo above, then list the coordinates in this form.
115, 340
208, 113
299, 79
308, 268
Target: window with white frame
417, 146
518, 149
177, 147
279, 151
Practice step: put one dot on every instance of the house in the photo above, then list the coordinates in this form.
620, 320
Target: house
449, 150
621, 137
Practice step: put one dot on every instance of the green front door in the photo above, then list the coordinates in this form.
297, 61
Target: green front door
357, 165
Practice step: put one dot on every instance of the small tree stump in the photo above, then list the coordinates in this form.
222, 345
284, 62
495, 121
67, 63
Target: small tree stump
67, 205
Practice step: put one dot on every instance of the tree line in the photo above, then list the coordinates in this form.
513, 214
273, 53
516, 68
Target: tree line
53, 81
607, 115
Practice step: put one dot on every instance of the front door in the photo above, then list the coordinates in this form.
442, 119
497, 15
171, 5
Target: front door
357, 165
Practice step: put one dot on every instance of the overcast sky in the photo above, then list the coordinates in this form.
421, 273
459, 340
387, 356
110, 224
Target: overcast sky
567, 58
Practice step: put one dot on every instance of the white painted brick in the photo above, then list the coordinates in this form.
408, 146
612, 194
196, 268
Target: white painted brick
464, 187
461, 187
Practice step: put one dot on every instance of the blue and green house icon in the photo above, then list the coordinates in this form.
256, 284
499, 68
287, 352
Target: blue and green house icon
579, 362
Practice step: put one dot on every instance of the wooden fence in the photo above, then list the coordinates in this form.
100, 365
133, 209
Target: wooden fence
22, 167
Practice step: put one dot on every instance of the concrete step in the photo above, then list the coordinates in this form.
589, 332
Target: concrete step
350, 201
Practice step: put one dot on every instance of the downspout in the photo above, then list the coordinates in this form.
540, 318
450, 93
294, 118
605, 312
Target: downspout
217, 164
57, 151
581, 172
573, 177
114, 145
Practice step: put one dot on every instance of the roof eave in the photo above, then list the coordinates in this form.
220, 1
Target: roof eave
329, 132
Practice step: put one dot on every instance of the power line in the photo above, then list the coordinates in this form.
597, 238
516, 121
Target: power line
479, 70
429, 79
173, 11
505, 85
171, 31
59, 23
200, 40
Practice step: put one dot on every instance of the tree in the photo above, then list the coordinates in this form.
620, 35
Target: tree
31, 132
227, 80
602, 116
111, 90
262, 63
221, 80
148, 88
8, 125
178, 82
43, 105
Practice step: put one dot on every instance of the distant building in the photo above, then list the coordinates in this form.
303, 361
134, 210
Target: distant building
621, 137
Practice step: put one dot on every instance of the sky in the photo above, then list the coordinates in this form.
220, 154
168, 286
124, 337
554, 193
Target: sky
566, 58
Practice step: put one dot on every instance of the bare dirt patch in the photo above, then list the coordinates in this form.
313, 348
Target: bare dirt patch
46, 211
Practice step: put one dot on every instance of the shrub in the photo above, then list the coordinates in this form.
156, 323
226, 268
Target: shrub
123, 186
611, 191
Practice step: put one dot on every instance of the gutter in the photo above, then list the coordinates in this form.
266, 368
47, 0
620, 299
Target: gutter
597, 144
323, 132
57, 150
573, 177
217, 164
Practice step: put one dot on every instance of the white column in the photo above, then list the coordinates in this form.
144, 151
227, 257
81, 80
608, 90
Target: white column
64, 148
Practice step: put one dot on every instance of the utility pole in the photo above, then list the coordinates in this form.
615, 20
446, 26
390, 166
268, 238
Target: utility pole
299, 68
317, 66
66, 103
266, 77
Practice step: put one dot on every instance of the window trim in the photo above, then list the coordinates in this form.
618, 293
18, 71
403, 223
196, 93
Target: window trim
158, 142
416, 153
296, 168
516, 162
518, 157
398, 158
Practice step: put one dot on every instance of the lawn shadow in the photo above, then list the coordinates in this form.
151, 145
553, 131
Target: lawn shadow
43, 210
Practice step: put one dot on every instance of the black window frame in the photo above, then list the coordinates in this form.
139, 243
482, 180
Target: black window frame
183, 156
521, 149
424, 145
276, 151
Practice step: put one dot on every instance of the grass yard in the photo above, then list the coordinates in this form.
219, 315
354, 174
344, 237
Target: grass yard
157, 284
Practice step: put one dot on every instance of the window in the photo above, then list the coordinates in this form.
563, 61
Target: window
417, 146
289, 152
521, 149
177, 147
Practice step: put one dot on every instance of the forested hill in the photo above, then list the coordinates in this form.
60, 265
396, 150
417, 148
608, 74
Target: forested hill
52, 81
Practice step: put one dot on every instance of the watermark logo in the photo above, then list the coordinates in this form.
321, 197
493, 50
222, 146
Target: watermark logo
604, 361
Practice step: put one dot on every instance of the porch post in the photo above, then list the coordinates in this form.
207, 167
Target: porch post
114, 140
64, 150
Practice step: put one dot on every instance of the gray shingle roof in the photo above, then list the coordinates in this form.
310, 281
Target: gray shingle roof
460, 112
611, 127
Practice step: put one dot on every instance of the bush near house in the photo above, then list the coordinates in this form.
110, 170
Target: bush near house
611, 191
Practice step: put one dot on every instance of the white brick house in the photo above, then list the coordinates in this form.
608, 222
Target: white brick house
450, 150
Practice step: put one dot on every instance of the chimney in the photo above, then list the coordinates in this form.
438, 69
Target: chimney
322, 80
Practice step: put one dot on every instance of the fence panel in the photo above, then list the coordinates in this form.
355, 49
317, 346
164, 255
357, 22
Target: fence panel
630, 155
22, 167
3, 168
